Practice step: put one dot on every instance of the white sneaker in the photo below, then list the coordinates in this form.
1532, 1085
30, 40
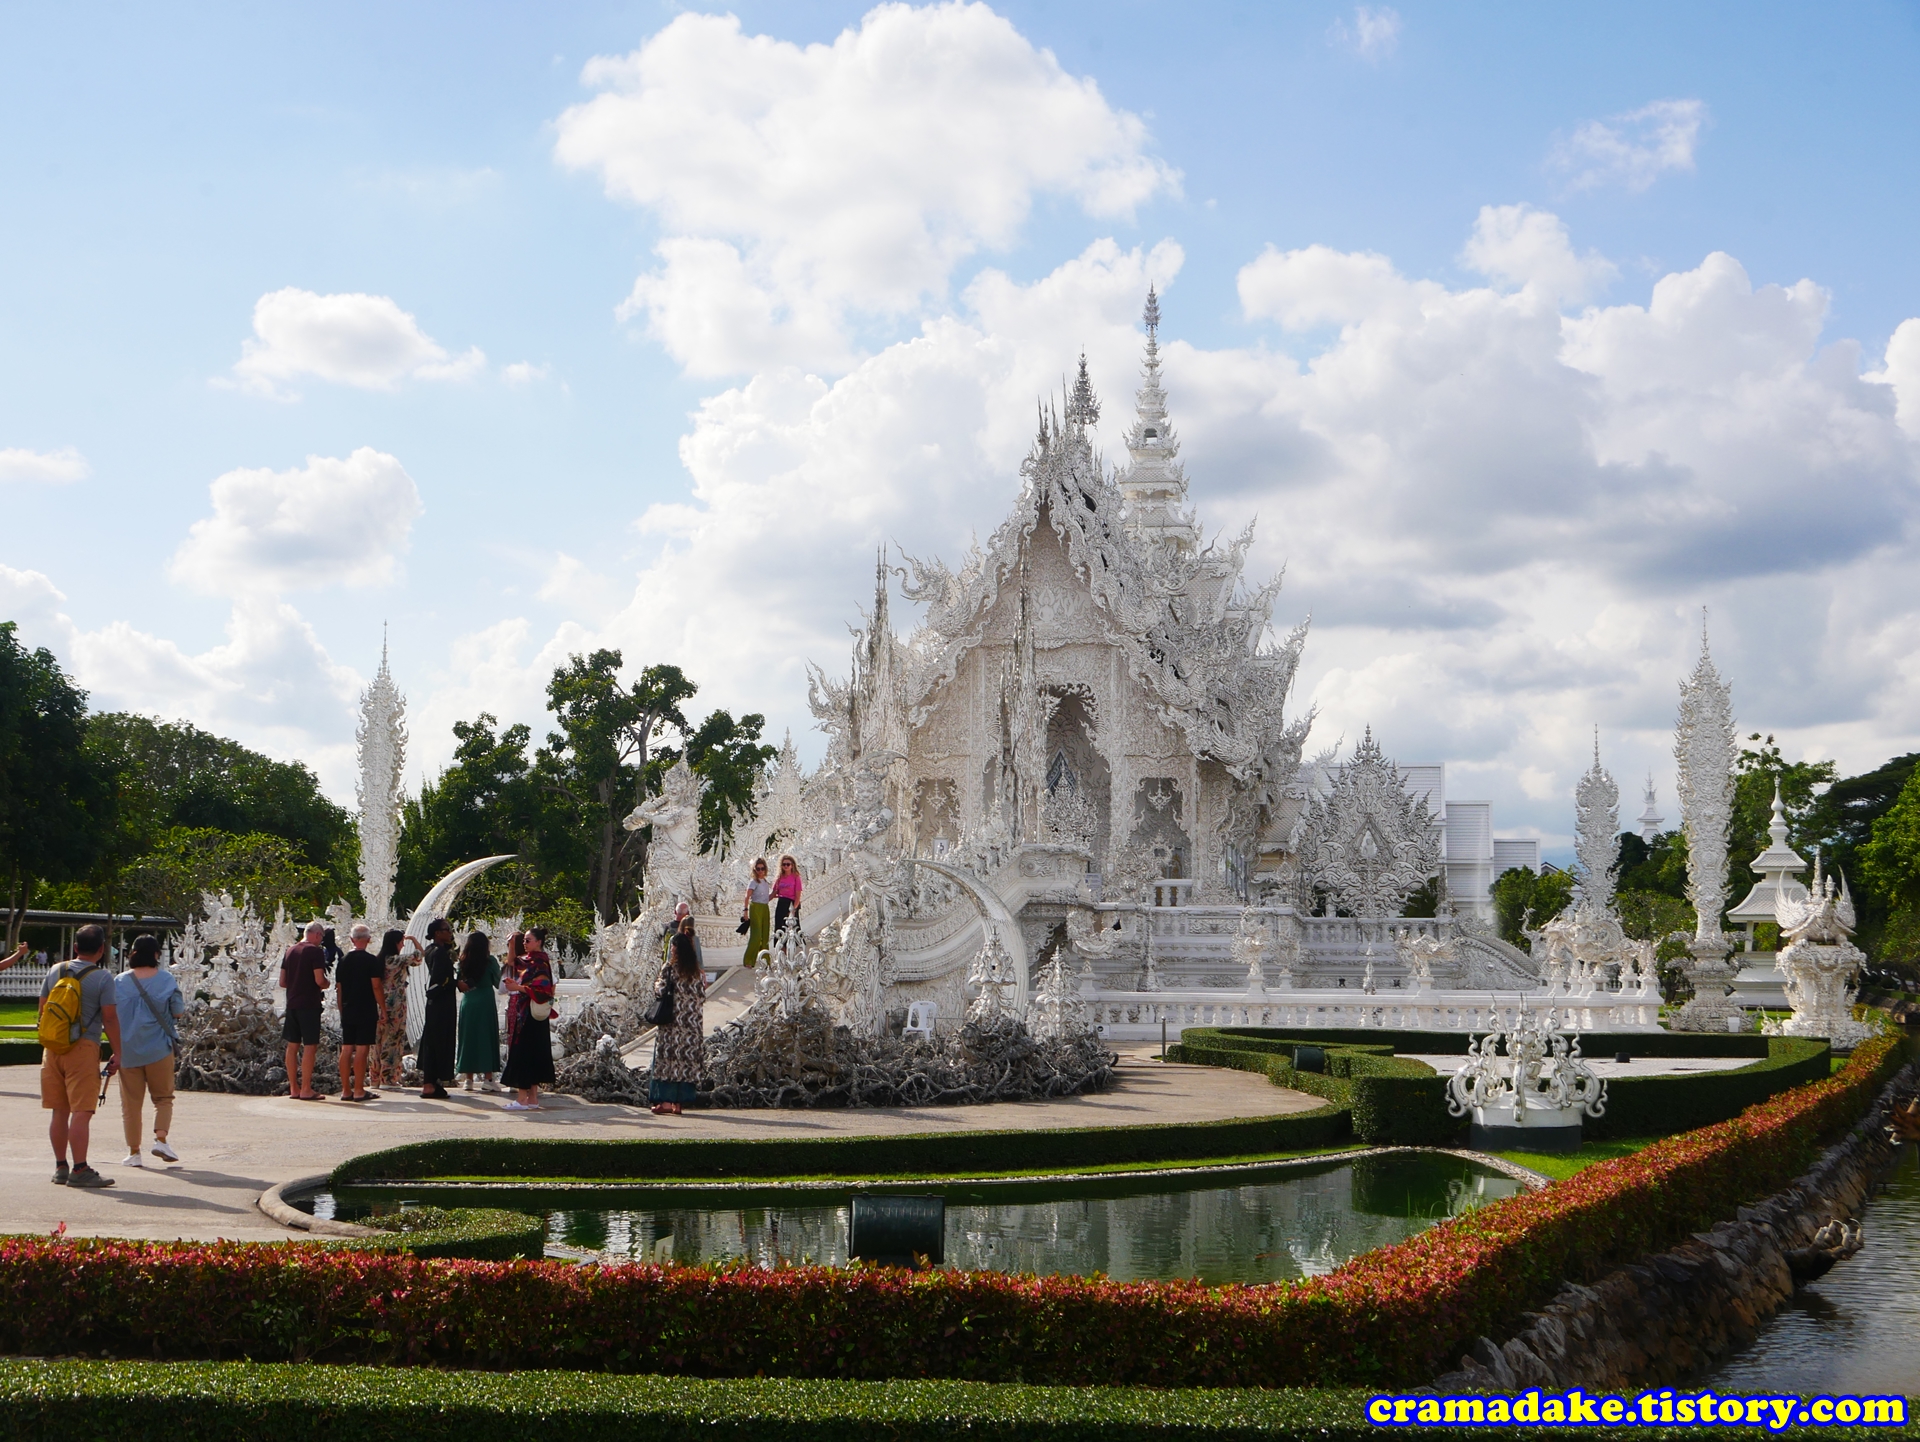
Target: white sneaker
132, 1159
165, 1152
490, 1085
519, 1106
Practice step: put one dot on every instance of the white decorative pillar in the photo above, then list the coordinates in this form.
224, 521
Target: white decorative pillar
1705, 749
383, 756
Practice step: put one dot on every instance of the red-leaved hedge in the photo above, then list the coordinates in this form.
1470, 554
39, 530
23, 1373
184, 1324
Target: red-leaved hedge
1392, 1316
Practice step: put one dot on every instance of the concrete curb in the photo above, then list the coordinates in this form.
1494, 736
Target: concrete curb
273, 1204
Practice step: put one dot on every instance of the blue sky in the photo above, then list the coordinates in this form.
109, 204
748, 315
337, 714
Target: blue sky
1486, 584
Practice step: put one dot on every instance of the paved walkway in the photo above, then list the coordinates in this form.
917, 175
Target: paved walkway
234, 1148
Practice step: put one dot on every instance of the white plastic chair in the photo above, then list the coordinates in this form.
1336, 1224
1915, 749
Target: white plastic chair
920, 1015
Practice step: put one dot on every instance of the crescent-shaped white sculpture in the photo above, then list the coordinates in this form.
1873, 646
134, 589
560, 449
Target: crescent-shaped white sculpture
437, 902
993, 913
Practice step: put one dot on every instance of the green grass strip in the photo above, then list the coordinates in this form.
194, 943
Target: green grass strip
1559, 1165
245, 1402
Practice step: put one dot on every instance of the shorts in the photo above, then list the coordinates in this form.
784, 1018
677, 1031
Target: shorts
359, 1028
302, 1025
70, 1080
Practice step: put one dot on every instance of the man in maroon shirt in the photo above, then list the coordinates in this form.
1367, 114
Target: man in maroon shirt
304, 975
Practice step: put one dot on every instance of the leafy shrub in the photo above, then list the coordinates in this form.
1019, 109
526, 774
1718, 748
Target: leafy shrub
1388, 1100
1395, 1315
481, 1234
1651, 1106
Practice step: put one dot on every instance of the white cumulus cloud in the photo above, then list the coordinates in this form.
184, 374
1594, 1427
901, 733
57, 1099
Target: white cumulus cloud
56, 468
1631, 150
798, 185
333, 519
349, 339
1373, 32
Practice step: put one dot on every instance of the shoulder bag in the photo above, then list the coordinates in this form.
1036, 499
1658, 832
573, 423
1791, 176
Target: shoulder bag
166, 1023
659, 1011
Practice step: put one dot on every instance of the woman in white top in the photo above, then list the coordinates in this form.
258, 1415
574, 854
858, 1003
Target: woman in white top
754, 913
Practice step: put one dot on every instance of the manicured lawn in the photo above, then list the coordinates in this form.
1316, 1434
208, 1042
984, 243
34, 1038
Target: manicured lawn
1565, 1164
18, 1012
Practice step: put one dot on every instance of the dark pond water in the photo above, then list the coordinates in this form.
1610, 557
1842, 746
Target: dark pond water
1294, 1223
1857, 1329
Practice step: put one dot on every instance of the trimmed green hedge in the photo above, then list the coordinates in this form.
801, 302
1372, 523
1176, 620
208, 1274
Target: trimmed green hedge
1389, 1100
481, 1234
688, 1159
16, 1052
1396, 1100
245, 1402
1654, 1106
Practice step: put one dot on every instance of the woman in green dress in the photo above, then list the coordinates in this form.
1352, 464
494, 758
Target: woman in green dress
753, 911
478, 1051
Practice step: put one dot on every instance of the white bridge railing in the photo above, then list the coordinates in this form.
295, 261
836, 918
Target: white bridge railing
1138, 1015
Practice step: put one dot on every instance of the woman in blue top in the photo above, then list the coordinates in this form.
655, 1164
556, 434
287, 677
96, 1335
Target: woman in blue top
149, 1002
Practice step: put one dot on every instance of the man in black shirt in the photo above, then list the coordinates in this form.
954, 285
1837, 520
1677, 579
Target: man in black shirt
360, 989
304, 975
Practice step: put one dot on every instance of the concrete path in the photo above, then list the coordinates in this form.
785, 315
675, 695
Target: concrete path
234, 1148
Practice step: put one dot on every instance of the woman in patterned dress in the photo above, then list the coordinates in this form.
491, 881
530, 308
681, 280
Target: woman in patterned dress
680, 1048
392, 1043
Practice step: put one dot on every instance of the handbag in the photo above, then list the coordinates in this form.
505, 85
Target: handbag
659, 1011
539, 1010
166, 1025
743, 928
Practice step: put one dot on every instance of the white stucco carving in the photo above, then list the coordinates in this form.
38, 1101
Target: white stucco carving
1704, 746
382, 742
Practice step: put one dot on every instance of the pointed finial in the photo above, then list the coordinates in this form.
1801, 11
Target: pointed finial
1703, 630
1151, 315
1083, 406
1596, 746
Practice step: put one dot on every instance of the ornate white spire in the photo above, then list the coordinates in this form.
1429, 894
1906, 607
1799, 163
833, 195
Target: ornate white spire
1650, 820
1596, 824
1153, 485
1704, 747
383, 756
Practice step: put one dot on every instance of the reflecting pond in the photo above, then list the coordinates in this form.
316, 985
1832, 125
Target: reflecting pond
1857, 1329
1302, 1221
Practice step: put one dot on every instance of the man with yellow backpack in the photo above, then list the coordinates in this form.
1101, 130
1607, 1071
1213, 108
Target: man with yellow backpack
76, 1005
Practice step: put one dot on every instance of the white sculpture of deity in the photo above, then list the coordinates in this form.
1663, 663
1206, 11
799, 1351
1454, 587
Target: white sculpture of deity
674, 815
1530, 1074
1249, 951
1821, 963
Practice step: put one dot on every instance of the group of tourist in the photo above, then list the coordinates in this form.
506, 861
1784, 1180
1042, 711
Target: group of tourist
83, 1007
460, 1030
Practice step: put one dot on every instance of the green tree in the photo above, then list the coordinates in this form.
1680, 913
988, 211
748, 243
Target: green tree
1757, 771
1842, 822
603, 760
1520, 898
730, 756
186, 861
56, 808
1657, 867
1890, 866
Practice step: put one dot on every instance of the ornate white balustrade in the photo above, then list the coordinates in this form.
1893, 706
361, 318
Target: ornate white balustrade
1135, 1016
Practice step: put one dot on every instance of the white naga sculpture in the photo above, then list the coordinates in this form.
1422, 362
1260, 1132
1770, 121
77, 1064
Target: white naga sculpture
1821, 962
1366, 846
1705, 748
1529, 1078
382, 742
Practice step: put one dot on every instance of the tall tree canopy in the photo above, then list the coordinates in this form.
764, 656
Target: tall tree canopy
56, 806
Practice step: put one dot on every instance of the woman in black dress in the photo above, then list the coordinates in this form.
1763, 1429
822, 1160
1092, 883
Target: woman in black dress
529, 1020
435, 1056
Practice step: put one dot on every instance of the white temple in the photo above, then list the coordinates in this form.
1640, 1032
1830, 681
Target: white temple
1083, 756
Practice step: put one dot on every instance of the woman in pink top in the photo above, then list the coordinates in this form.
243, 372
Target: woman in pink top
786, 894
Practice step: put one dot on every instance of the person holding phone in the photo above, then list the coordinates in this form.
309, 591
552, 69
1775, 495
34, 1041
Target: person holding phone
529, 1018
